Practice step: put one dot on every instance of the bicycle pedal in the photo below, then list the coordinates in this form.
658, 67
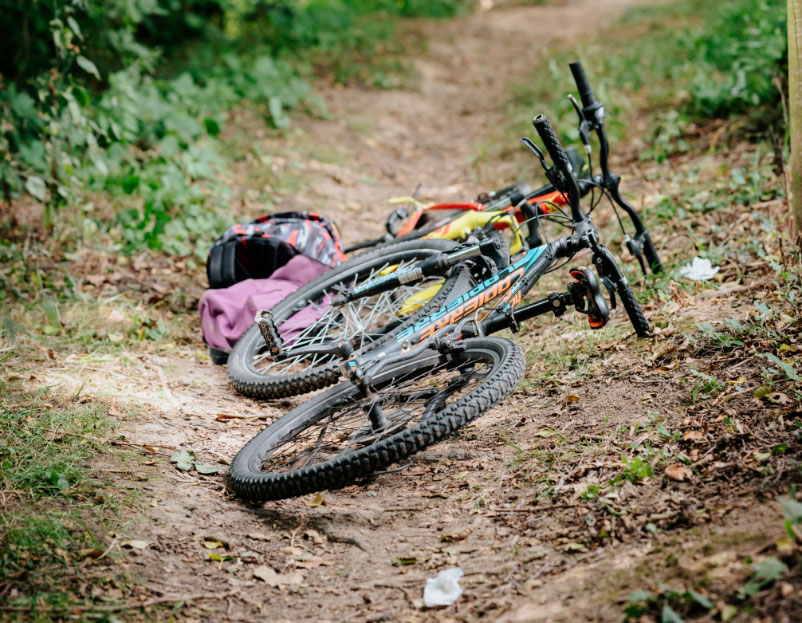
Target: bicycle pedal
588, 298
267, 327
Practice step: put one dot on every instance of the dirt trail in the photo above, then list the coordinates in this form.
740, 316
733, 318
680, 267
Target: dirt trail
340, 561
383, 143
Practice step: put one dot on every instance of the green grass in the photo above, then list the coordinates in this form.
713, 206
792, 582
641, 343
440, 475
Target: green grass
57, 506
678, 64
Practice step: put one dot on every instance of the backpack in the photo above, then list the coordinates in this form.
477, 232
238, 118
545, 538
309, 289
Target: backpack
254, 250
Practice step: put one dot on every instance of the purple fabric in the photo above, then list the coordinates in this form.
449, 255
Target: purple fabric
226, 313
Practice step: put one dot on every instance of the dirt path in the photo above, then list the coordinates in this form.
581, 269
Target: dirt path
475, 502
383, 143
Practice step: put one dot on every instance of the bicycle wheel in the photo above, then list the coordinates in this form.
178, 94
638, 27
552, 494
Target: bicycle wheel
305, 318
328, 442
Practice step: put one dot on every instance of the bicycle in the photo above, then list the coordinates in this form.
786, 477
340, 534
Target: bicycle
305, 317
441, 372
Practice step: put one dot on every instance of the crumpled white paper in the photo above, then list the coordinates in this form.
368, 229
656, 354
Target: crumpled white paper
699, 270
444, 589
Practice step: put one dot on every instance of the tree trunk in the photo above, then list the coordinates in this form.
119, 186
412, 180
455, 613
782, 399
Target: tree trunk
795, 107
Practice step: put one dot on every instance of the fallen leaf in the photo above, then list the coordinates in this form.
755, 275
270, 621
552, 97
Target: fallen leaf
778, 398
90, 553
460, 476
575, 547
183, 459
405, 562
313, 563
693, 435
763, 390
728, 612
249, 556
258, 536
314, 536
678, 472
212, 544
294, 577
453, 538
221, 417
134, 544
205, 468
219, 558
784, 545
318, 501
570, 398
267, 574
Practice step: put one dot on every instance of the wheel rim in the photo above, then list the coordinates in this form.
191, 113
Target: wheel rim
361, 321
416, 391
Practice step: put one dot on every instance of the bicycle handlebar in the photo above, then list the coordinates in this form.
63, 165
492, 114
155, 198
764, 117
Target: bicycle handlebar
561, 162
582, 84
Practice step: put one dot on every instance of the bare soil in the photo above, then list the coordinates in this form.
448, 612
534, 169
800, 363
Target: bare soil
507, 500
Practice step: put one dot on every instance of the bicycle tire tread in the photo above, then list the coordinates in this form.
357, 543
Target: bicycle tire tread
346, 469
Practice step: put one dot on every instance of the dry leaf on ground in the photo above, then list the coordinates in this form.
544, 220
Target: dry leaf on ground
678, 472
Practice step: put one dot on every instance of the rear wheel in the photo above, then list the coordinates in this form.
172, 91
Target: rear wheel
337, 437
305, 318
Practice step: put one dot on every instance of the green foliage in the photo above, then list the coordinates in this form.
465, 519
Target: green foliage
793, 515
126, 101
54, 502
766, 572
636, 469
687, 61
667, 602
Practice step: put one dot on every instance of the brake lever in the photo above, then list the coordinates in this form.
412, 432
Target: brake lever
535, 150
552, 173
584, 125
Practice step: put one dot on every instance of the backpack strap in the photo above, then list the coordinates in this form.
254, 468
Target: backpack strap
221, 265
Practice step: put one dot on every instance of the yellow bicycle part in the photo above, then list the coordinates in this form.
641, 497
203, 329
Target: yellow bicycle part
418, 300
462, 226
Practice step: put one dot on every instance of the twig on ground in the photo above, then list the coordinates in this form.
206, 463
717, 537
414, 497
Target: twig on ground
124, 606
400, 588
533, 510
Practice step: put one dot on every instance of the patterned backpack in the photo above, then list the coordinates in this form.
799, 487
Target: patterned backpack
254, 250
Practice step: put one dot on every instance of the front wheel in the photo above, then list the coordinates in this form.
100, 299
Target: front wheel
337, 437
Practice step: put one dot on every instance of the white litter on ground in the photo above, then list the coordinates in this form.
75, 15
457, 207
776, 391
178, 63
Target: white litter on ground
699, 270
444, 589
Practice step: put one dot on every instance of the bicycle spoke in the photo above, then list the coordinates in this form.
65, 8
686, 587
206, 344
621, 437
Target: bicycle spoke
405, 400
361, 321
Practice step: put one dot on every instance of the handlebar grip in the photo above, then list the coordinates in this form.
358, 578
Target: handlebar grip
585, 92
560, 160
552, 143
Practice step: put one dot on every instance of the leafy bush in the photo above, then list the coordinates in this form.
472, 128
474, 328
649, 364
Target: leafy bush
127, 99
740, 56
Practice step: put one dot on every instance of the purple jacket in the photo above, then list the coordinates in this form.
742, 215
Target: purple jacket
226, 313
